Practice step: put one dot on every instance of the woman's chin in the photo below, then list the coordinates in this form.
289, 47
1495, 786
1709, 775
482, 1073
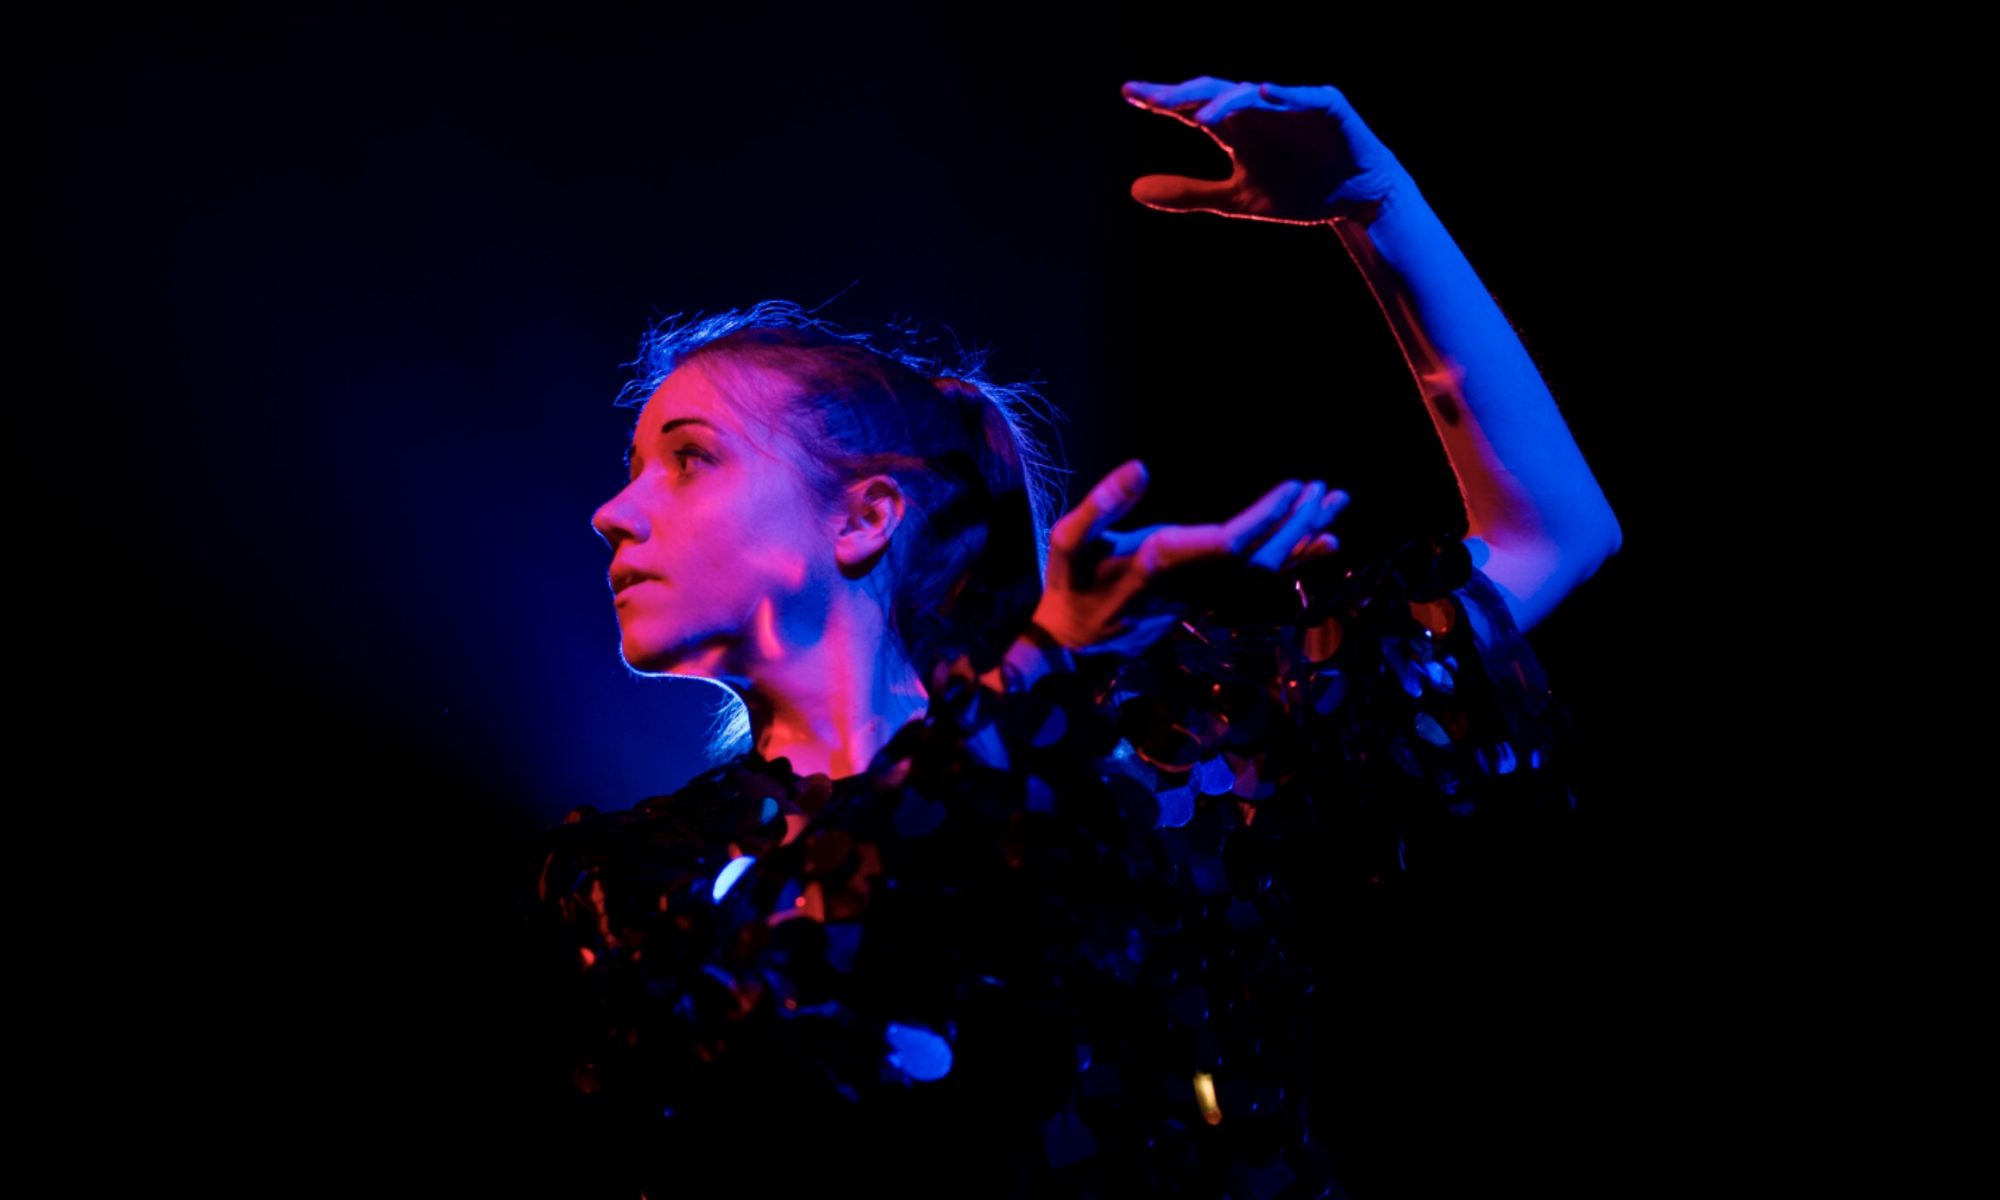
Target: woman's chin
652, 662
647, 656
651, 658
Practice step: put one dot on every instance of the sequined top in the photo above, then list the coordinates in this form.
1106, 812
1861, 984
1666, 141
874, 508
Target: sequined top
1054, 942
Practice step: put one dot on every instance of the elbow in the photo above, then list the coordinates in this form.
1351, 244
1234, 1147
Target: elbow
1612, 541
1607, 542
1586, 555
1588, 543
1535, 580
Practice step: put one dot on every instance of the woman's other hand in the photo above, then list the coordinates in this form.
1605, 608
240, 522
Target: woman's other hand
1300, 154
1115, 592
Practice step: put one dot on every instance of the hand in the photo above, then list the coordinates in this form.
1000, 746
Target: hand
1116, 592
1300, 154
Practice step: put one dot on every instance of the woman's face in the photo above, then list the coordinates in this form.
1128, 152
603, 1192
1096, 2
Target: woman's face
720, 559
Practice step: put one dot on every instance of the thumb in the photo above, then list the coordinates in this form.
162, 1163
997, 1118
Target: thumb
1111, 499
1178, 193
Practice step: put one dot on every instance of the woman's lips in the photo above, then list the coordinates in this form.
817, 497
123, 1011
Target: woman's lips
623, 578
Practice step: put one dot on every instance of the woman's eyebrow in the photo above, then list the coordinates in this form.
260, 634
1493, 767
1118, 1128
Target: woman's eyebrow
668, 428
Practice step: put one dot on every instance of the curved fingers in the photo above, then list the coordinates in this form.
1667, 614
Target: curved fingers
1206, 99
1202, 103
1249, 527
1329, 98
1235, 100
1286, 522
1315, 510
1175, 100
1270, 547
1281, 519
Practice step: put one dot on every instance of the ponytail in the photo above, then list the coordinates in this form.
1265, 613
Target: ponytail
1005, 522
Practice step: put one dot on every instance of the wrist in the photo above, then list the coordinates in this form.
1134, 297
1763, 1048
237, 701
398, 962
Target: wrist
1396, 226
1035, 653
1053, 654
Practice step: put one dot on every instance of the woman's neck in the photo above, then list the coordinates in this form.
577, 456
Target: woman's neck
830, 707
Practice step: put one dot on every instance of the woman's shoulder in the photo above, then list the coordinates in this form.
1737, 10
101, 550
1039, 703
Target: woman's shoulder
1038, 902
676, 841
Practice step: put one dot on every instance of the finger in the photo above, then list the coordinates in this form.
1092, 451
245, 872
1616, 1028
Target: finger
1235, 100
1319, 545
1111, 499
1178, 193
1175, 99
1322, 512
1304, 97
1302, 521
1322, 543
1336, 503
1248, 528
1177, 546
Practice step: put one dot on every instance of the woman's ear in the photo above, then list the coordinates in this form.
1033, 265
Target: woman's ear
871, 511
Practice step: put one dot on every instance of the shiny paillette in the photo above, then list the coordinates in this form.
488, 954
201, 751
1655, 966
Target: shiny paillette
1061, 941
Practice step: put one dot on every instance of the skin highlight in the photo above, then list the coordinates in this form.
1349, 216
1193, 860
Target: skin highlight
734, 572
728, 568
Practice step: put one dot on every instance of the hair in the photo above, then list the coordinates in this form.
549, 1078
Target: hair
966, 566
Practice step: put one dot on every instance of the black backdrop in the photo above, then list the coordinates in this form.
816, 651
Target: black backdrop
335, 307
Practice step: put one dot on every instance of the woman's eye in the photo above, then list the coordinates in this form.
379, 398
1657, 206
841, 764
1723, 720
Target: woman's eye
686, 452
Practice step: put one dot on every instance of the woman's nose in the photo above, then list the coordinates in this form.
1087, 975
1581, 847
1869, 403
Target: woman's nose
617, 520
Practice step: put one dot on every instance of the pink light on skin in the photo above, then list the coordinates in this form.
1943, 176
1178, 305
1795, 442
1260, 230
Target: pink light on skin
770, 639
1262, 150
727, 568
1537, 522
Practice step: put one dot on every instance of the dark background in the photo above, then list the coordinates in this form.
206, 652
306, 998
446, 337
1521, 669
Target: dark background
333, 311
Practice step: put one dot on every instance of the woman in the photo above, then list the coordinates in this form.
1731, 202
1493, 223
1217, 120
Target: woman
1006, 887
811, 580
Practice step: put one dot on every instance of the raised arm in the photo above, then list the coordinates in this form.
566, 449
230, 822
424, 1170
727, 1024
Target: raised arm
1538, 524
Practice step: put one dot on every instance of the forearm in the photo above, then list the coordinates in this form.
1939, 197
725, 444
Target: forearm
1526, 487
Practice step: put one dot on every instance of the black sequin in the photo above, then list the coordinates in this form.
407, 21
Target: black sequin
1055, 942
